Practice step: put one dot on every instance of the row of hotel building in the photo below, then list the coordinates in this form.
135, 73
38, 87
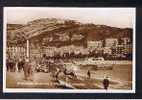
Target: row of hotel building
112, 47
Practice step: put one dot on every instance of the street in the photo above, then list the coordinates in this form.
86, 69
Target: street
120, 78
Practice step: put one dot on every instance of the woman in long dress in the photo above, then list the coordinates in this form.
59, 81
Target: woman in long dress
26, 68
33, 65
29, 69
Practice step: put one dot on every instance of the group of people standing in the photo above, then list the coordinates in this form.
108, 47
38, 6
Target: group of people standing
22, 64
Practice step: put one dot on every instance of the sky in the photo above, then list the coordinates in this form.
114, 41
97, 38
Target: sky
115, 17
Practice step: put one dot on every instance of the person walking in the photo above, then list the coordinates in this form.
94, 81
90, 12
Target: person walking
26, 68
89, 74
32, 68
106, 83
57, 74
19, 65
7, 64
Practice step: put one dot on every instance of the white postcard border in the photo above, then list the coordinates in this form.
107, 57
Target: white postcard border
22, 90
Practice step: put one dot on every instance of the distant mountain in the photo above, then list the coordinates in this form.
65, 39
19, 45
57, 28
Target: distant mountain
45, 26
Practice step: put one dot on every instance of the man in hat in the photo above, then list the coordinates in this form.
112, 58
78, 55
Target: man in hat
89, 74
106, 82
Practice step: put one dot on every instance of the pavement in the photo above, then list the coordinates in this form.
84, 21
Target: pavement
46, 80
40, 80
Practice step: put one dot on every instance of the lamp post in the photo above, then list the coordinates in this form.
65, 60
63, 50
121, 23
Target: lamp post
27, 48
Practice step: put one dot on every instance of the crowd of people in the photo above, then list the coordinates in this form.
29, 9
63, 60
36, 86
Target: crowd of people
28, 66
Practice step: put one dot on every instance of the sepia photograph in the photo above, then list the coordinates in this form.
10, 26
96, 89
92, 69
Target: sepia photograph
69, 50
